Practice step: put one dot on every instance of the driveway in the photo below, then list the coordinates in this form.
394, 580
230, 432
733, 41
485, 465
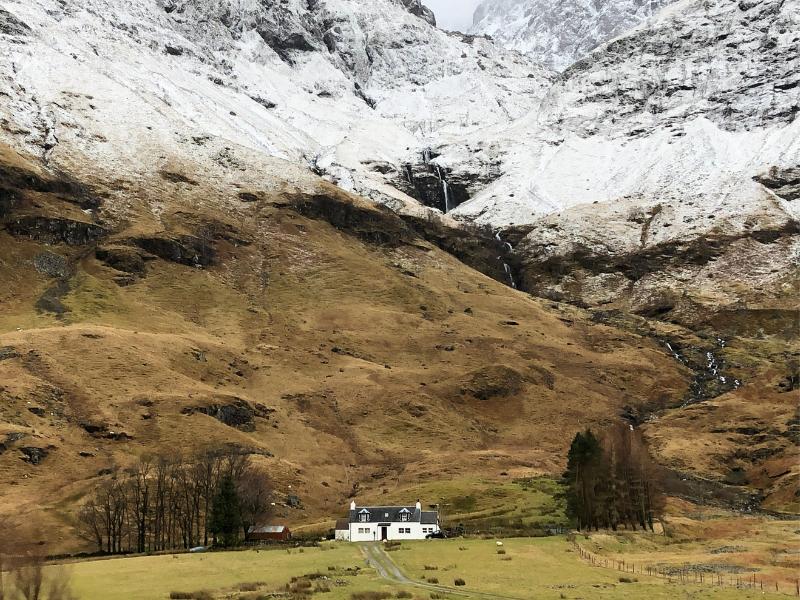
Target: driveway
380, 560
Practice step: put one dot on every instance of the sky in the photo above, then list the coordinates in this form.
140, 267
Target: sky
453, 14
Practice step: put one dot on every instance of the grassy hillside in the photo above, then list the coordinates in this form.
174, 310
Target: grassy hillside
357, 357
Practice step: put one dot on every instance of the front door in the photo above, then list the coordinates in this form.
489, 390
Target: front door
384, 533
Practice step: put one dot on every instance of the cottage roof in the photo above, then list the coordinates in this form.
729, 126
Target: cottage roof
387, 514
429, 517
342, 524
267, 529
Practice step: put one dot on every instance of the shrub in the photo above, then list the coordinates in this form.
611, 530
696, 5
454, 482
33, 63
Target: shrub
431, 568
628, 580
403, 594
251, 586
322, 588
301, 584
201, 595
458, 581
435, 596
370, 595
432, 580
501, 551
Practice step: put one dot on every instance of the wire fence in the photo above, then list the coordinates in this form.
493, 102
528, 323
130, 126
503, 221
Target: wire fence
688, 574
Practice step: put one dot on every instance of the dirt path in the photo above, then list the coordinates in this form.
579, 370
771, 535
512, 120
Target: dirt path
378, 559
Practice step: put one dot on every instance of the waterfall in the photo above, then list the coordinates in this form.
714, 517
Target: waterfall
506, 266
426, 155
502, 241
445, 189
510, 276
409, 174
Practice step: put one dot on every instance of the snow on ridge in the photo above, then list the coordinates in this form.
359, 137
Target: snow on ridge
336, 84
558, 34
682, 110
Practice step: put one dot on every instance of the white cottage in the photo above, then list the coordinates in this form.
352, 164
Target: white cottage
375, 523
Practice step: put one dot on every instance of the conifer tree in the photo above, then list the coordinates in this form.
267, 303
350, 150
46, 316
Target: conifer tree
226, 515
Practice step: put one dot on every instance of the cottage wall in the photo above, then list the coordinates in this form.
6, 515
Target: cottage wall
371, 532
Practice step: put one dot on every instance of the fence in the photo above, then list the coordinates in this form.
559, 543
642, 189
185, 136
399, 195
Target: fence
686, 575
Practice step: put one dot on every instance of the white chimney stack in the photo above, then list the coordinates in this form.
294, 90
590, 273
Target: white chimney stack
419, 505
353, 505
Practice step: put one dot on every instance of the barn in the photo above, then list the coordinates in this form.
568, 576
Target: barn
268, 533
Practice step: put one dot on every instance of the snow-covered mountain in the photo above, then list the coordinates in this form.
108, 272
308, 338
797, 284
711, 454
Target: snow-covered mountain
663, 136
343, 86
656, 141
558, 34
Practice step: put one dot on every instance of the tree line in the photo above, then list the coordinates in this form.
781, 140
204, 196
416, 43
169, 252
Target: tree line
612, 480
164, 503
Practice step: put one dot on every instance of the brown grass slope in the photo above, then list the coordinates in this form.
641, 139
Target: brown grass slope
353, 355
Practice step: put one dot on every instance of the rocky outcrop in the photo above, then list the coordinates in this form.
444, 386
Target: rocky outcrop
12, 26
372, 224
437, 186
55, 230
8, 352
784, 183
238, 414
103, 431
182, 249
34, 455
671, 280
123, 258
52, 265
417, 8
10, 439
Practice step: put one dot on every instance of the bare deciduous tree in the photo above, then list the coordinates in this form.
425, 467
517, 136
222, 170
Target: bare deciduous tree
165, 503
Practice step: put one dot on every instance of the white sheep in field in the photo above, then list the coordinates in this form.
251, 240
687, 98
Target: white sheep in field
499, 543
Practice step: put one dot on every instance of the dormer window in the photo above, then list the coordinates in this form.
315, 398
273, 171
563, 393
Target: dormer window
405, 514
363, 516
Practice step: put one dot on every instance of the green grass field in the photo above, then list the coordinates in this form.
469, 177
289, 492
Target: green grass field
539, 568
223, 574
527, 568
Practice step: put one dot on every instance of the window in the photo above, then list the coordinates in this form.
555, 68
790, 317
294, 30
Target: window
405, 514
363, 516
405, 530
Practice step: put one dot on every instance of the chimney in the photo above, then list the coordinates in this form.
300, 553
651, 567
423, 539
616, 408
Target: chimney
419, 505
353, 505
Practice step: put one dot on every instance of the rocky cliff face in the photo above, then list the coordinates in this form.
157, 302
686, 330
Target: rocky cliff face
659, 173
559, 34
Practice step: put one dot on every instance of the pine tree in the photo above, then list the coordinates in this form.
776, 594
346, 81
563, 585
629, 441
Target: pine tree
226, 515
